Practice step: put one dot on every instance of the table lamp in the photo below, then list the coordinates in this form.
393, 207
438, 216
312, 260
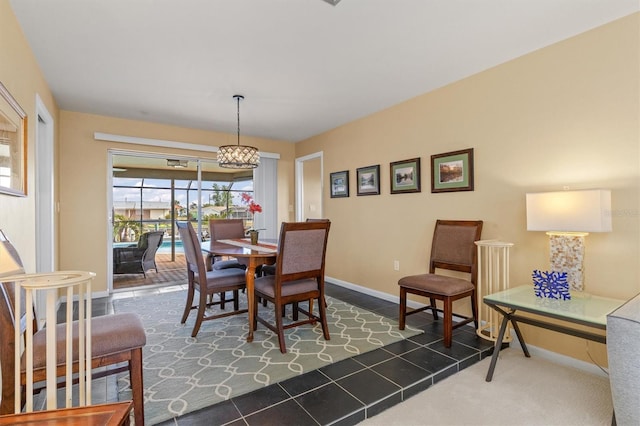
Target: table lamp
9, 260
568, 217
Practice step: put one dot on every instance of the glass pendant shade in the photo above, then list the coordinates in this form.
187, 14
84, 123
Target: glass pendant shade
238, 156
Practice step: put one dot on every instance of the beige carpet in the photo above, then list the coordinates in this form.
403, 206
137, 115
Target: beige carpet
524, 391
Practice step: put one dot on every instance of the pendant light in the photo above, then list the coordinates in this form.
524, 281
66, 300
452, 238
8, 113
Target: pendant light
238, 156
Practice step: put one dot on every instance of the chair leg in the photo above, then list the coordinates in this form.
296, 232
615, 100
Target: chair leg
223, 299
323, 318
434, 308
188, 305
448, 322
137, 387
236, 300
474, 309
201, 307
403, 308
279, 327
255, 313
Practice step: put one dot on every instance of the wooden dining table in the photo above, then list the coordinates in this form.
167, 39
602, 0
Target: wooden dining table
251, 256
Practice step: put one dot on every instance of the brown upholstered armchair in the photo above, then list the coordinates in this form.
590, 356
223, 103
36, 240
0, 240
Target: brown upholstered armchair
137, 259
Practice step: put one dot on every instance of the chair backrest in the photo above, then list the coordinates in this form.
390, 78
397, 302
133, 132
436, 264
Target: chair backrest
9, 258
153, 241
301, 250
453, 246
191, 246
224, 229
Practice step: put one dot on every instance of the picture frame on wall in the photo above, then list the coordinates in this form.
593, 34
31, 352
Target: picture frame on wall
13, 145
405, 176
452, 171
368, 179
339, 184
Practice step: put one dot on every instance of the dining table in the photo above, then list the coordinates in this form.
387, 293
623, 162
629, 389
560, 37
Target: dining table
250, 255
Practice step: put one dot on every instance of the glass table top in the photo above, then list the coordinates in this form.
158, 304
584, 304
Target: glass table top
582, 307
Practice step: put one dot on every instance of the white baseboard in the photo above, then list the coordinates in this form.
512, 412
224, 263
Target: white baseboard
533, 350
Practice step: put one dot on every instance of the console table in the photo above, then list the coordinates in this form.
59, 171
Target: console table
582, 309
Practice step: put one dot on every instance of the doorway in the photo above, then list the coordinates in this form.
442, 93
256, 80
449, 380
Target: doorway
309, 187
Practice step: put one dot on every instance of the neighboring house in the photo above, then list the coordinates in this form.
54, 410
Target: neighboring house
150, 209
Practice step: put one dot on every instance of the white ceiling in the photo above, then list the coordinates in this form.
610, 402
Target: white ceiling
304, 66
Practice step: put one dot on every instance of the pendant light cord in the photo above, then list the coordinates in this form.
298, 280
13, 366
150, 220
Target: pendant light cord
238, 97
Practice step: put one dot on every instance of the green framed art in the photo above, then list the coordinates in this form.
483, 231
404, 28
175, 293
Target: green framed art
452, 171
405, 176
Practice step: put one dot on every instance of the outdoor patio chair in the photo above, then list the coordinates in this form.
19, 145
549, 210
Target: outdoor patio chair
138, 258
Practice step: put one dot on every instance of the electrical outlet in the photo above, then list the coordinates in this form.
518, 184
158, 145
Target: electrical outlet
396, 265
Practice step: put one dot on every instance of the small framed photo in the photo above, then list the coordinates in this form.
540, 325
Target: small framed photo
368, 180
339, 182
13, 145
452, 171
405, 176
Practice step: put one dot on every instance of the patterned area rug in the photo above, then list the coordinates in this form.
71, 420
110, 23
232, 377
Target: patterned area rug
183, 374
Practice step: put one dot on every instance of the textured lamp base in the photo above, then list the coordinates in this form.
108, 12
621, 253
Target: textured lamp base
567, 255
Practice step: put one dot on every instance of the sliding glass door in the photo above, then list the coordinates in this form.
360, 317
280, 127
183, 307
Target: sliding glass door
151, 192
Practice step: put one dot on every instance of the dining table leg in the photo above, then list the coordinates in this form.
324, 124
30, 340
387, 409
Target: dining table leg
251, 276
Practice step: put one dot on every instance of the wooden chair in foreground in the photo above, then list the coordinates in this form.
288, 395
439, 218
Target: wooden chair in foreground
116, 339
207, 283
452, 248
299, 276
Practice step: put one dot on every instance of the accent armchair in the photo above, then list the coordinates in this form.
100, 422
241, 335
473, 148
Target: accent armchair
139, 258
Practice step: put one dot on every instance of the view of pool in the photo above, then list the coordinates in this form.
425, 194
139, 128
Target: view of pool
165, 247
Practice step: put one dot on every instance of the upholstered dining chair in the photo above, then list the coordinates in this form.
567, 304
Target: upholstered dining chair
299, 276
225, 229
453, 249
116, 339
207, 283
271, 270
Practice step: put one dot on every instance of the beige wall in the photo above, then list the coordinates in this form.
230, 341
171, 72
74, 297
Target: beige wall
83, 179
21, 75
566, 115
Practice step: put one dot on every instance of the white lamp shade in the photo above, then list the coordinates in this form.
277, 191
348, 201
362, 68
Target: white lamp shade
570, 211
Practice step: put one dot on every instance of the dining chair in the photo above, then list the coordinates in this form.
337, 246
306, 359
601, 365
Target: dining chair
225, 229
207, 283
299, 276
271, 270
116, 339
452, 249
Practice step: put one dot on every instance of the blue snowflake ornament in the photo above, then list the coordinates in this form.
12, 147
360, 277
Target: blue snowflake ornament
551, 285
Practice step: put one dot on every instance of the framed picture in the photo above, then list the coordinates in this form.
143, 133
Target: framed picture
405, 176
339, 184
369, 180
13, 145
452, 171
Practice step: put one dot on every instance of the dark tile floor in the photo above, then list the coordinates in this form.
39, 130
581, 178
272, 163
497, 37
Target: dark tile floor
344, 393
357, 388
